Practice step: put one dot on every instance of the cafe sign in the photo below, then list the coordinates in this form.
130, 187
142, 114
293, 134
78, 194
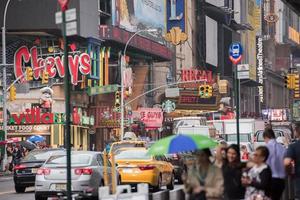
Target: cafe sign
53, 65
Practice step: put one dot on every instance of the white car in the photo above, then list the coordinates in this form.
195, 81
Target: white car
281, 136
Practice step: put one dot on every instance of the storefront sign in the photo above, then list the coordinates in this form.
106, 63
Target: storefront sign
168, 106
176, 21
151, 117
35, 116
53, 65
28, 129
102, 89
260, 67
196, 75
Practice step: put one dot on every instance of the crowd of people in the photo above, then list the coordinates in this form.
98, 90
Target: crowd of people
261, 178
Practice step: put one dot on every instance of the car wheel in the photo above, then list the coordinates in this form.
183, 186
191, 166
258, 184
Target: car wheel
39, 197
20, 189
159, 183
170, 186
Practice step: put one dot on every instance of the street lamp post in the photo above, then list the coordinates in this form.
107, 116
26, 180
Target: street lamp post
4, 81
122, 63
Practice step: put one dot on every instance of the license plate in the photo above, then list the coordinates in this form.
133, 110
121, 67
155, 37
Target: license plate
61, 186
127, 170
34, 170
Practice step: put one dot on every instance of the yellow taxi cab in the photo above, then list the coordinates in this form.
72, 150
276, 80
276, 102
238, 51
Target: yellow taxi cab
125, 144
135, 166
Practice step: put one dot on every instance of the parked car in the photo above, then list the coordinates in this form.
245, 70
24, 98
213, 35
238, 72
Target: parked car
87, 175
136, 166
25, 171
281, 136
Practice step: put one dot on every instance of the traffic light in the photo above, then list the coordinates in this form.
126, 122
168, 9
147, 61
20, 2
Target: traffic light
209, 90
290, 81
296, 86
12, 93
45, 77
29, 74
201, 91
117, 99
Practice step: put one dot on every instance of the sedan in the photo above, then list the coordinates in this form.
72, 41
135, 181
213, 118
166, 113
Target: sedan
86, 172
25, 171
135, 166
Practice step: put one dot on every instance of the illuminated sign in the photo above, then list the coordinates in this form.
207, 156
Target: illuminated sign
176, 21
260, 67
195, 75
53, 65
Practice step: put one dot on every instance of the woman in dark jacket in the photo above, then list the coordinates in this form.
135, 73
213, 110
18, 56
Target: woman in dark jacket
232, 173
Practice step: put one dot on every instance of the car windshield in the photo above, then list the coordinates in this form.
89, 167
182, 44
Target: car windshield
260, 138
38, 156
133, 155
118, 146
76, 160
232, 138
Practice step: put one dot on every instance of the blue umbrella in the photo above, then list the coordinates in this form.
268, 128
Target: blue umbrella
36, 138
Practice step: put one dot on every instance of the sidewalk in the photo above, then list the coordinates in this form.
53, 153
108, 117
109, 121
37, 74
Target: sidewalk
5, 173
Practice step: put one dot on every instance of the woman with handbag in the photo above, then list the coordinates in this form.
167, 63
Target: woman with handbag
258, 179
204, 180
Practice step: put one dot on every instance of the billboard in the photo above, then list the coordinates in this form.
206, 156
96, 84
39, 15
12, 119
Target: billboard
134, 15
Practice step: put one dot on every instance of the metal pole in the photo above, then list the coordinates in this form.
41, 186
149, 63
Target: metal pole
237, 96
67, 107
4, 82
122, 81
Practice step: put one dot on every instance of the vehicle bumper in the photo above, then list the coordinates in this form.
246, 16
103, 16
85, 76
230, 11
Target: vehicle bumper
24, 180
149, 178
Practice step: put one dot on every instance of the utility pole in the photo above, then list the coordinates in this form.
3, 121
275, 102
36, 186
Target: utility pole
64, 6
4, 80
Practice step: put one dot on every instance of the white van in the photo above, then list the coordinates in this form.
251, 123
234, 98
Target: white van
190, 125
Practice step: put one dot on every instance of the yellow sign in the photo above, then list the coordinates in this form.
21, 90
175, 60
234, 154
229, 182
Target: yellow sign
294, 35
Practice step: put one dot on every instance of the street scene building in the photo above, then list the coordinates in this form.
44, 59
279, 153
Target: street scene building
110, 80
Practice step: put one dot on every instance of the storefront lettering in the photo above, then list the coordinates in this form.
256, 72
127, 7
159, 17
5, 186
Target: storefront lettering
260, 67
196, 75
53, 65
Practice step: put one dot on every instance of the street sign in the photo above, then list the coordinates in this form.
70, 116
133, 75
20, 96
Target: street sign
58, 17
235, 52
243, 71
70, 14
172, 92
71, 28
102, 89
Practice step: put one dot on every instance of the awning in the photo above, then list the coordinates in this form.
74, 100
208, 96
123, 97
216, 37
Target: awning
250, 83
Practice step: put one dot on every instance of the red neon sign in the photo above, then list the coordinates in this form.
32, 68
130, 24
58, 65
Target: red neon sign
53, 65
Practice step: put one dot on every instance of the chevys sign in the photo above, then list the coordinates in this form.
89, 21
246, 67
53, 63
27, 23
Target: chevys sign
53, 65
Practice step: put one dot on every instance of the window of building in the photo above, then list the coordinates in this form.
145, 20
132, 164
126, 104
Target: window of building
94, 52
104, 8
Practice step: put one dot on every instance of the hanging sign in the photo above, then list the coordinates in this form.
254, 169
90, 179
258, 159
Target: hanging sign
168, 106
235, 52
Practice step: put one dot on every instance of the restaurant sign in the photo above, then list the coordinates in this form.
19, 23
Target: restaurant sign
53, 65
43, 129
152, 117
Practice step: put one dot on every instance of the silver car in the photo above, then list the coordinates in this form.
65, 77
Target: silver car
86, 172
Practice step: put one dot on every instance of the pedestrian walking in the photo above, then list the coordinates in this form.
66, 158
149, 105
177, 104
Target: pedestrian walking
258, 179
17, 154
204, 180
275, 162
292, 161
232, 170
9, 153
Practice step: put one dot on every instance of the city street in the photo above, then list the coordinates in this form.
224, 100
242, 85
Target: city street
7, 190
